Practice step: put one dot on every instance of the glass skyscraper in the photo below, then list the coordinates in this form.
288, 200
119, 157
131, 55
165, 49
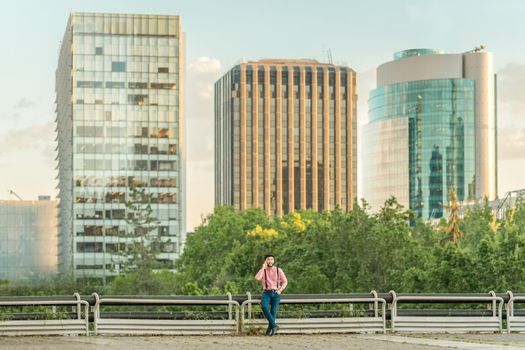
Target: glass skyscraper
120, 125
431, 129
285, 136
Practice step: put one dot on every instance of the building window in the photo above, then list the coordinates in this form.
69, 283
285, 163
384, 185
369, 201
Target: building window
99, 51
164, 70
118, 66
115, 84
89, 84
89, 247
169, 86
137, 85
137, 99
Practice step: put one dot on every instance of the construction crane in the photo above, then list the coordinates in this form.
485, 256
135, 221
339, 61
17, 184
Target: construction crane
14, 194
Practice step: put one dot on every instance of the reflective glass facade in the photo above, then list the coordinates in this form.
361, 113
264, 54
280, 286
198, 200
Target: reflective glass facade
431, 129
285, 136
386, 166
119, 121
28, 239
439, 119
416, 52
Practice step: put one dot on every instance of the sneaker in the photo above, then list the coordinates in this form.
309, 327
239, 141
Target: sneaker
268, 331
274, 330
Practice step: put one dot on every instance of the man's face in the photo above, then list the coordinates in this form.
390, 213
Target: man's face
269, 261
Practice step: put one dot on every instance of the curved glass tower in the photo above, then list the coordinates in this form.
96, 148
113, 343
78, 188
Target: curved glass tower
431, 129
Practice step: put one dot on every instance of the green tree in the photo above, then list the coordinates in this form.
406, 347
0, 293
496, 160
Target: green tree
142, 245
147, 282
452, 230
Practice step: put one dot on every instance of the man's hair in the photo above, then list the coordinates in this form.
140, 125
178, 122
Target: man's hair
268, 255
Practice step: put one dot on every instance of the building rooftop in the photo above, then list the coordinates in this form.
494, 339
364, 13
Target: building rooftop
290, 61
416, 52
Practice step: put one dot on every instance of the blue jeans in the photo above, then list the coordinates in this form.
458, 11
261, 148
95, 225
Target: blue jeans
270, 303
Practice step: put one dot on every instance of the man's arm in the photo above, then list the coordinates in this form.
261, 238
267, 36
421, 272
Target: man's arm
260, 274
284, 281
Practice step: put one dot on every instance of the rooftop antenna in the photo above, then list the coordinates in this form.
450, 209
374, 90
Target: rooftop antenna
14, 194
329, 54
479, 48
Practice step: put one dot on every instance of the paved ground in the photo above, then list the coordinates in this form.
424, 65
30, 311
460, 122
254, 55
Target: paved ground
291, 342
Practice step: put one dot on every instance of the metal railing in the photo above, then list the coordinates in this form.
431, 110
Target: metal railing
48, 322
241, 314
508, 201
330, 322
136, 324
453, 323
515, 322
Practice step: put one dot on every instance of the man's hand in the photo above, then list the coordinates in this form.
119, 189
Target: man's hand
279, 291
264, 265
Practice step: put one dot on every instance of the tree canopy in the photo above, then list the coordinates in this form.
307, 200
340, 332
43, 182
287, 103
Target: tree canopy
336, 251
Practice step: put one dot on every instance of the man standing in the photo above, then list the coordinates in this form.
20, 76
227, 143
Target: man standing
274, 282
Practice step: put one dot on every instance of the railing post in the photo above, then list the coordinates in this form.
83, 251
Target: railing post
241, 321
79, 308
237, 320
384, 315
510, 309
374, 293
493, 294
249, 305
96, 312
229, 305
500, 310
393, 311
86, 318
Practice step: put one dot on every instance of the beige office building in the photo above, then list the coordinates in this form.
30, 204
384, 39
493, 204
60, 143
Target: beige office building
286, 136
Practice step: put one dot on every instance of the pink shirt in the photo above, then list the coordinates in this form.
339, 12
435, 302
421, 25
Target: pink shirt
269, 279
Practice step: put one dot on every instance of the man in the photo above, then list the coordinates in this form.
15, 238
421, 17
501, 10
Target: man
274, 282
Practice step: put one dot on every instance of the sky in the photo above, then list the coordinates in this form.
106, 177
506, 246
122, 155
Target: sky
219, 34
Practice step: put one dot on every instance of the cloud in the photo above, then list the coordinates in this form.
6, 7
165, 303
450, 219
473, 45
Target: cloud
511, 143
24, 103
511, 88
202, 74
37, 136
199, 191
27, 160
11, 118
206, 65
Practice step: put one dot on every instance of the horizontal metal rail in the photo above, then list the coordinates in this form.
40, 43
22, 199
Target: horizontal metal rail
448, 324
46, 326
164, 326
375, 323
